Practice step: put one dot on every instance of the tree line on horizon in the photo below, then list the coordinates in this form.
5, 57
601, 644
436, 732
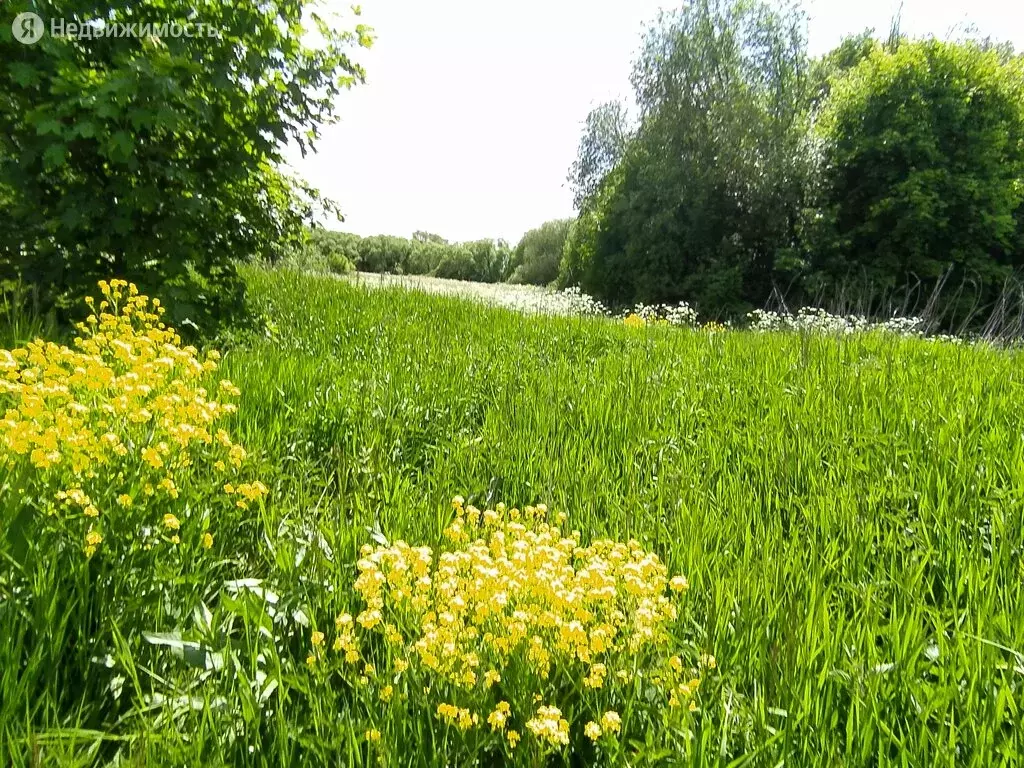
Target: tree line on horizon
534, 260
884, 176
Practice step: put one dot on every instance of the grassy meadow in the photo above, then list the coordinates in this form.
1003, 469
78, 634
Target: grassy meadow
848, 511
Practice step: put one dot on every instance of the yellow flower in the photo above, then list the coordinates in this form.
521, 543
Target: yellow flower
373, 735
634, 321
236, 455
175, 540
171, 522
596, 677
549, 725
499, 716
124, 500
311, 660
152, 457
92, 540
167, 484
229, 388
461, 717
207, 540
318, 639
611, 722
679, 584
386, 692
512, 590
592, 731
513, 738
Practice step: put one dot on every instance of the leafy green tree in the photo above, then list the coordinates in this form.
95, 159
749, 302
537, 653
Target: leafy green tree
456, 264
325, 251
606, 135
707, 195
923, 172
154, 155
428, 237
492, 260
424, 256
848, 54
539, 253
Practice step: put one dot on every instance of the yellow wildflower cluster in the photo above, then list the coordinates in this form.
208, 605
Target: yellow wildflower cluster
515, 602
127, 395
458, 716
549, 725
634, 321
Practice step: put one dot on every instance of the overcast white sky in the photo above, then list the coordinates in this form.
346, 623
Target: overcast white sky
472, 109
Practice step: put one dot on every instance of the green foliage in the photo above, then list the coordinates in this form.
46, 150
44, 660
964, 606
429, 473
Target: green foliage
923, 161
848, 54
485, 261
456, 264
908, 191
847, 508
537, 257
606, 135
492, 260
428, 237
383, 253
581, 239
155, 158
325, 251
708, 192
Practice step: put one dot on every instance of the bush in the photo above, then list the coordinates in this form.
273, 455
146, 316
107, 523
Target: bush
492, 260
537, 256
923, 156
425, 257
324, 251
457, 264
157, 158
486, 261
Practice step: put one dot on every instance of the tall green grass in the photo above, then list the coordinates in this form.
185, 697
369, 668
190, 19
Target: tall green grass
849, 511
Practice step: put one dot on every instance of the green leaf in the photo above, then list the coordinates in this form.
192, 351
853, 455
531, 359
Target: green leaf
120, 146
23, 73
86, 129
49, 125
54, 156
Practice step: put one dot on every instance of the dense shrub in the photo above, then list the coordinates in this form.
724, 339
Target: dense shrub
492, 260
425, 257
157, 157
485, 261
324, 251
539, 252
923, 161
457, 264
